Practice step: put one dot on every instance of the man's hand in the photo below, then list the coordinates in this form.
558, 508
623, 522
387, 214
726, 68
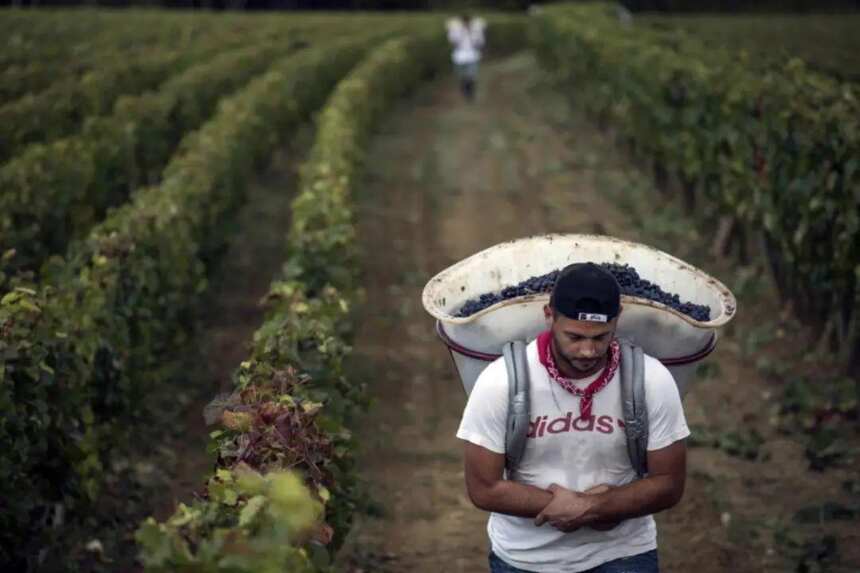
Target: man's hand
661, 489
566, 510
601, 525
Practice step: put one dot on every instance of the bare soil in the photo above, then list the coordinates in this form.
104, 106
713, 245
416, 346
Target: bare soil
447, 178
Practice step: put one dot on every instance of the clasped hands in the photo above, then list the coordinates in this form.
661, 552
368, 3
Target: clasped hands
568, 509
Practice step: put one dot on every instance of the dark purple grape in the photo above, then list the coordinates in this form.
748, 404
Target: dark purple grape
628, 279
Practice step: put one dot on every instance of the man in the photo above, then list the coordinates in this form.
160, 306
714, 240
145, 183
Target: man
574, 503
466, 35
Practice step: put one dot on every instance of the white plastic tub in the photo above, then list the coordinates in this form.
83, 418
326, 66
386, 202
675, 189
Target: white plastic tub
676, 339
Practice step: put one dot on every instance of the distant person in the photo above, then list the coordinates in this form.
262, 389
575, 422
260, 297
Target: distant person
466, 35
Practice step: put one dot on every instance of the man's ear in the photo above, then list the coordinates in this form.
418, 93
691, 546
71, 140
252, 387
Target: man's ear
547, 315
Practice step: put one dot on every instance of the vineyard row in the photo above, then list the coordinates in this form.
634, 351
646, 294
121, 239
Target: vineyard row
79, 349
773, 149
293, 406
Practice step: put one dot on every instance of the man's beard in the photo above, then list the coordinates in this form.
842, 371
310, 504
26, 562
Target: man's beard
583, 367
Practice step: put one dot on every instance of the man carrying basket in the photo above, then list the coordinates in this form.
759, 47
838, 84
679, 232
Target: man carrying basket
571, 502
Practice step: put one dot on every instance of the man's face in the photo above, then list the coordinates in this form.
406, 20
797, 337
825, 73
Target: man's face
583, 345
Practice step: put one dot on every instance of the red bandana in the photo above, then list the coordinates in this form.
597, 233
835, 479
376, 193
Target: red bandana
569, 384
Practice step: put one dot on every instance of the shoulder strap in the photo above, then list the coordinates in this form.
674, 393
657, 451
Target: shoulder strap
632, 396
633, 405
517, 426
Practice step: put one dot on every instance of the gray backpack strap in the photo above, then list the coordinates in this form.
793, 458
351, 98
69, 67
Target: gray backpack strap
634, 407
517, 428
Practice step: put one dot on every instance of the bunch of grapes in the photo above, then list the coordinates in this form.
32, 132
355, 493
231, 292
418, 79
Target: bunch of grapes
634, 285
628, 278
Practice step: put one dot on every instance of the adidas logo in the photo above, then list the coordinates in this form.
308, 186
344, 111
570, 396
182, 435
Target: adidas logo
541, 426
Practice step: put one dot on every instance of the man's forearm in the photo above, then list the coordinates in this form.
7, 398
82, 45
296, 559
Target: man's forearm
512, 498
642, 497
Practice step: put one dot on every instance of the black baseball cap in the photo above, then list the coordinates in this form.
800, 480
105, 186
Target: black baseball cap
586, 291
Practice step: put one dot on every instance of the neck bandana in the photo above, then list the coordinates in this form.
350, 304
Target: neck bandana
544, 341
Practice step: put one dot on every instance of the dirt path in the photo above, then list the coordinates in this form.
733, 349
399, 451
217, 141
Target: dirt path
445, 180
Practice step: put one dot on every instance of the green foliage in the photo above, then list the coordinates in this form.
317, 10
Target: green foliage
57, 188
822, 410
251, 522
54, 192
295, 371
807, 404
828, 447
322, 237
828, 511
810, 553
505, 34
62, 108
775, 147
827, 42
79, 350
745, 444
44, 50
59, 70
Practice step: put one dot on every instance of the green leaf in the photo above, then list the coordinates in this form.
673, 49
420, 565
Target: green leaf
251, 509
324, 493
229, 497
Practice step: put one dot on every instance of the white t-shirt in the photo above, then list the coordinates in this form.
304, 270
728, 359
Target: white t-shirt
467, 40
575, 453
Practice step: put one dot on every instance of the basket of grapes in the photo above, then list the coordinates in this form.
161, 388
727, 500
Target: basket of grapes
670, 308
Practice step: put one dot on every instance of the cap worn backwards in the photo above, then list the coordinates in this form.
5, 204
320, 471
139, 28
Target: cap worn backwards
586, 291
